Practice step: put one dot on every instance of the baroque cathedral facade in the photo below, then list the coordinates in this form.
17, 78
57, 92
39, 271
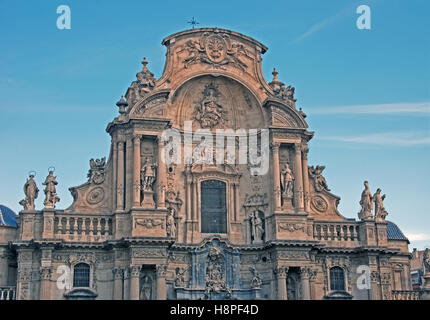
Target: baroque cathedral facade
145, 228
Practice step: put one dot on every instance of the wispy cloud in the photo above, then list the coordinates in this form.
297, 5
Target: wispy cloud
322, 24
417, 236
418, 108
386, 138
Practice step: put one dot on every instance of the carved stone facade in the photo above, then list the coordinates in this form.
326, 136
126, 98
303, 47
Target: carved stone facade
141, 228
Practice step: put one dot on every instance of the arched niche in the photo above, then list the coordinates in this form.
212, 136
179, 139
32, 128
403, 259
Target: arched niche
215, 102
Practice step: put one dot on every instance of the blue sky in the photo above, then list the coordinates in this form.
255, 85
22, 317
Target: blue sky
366, 92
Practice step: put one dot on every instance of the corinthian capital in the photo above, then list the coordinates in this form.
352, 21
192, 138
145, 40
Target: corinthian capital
275, 146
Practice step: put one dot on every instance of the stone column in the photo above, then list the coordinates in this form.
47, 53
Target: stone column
304, 282
161, 282
281, 276
136, 172
276, 176
305, 151
195, 200
312, 278
114, 171
117, 283
375, 285
45, 278
126, 283
128, 174
120, 178
4, 267
161, 202
188, 192
298, 179
134, 282
236, 202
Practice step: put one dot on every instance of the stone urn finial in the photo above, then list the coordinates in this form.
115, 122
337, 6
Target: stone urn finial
275, 75
122, 104
144, 63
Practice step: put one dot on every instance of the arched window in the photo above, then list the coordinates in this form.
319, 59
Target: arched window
337, 279
213, 206
81, 275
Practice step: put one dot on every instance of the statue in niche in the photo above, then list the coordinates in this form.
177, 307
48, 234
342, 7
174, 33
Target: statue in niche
257, 227
287, 179
96, 174
51, 197
320, 182
256, 281
170, 224
380, 212
146, 290
31, 193
366, 203
208, 112
148, 175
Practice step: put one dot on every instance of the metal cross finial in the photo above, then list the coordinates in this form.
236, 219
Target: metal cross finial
193, 22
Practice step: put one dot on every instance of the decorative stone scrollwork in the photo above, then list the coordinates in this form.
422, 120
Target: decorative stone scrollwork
135, 270
319, 204
161, 270
256, 281
95, 196
320, 182
281, 272
118, 273
144, 84
291, 227
149, 223
180, 276
217, 50
45, 273
215, 273
96, 174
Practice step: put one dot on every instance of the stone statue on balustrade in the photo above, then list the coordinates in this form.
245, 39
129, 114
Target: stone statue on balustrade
366, 203
257, 227
380, 212
31, 193
171, 224
51, 197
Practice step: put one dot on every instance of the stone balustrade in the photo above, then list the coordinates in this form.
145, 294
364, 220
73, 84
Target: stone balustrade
335, 232
7, 293
405, 295
82, 227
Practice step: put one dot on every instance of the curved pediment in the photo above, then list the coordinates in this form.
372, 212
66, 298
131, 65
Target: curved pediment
284, 116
